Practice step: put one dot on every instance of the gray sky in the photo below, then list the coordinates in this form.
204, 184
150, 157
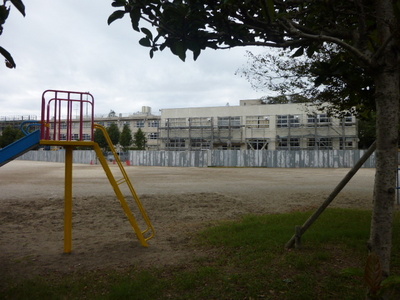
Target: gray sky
67, 45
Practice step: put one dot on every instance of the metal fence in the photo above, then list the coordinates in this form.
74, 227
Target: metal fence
221, 158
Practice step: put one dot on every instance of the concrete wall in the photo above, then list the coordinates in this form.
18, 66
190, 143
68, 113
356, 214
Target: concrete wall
222, 158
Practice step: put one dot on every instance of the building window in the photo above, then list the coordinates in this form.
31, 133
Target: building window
140, 124
319, 144
257, 121
200, 122
283, 121
154, 123
225, 146
63, 137
153, 135
324, 120
289, 144
87, 124
75, 137
175, 144
199, 144
86, 137
346, 143
320, 120
175, 122
257, 144
347, 120
228, 122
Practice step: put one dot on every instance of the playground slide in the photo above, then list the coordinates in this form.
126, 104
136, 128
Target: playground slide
19, 147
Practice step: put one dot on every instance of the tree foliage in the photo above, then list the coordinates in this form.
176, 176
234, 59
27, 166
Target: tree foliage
125, 139
100, 138
4, 13
325, 77
219, 24
140, 140
10, 135
114, 133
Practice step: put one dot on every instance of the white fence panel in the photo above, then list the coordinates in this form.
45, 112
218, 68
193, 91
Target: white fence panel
221, 158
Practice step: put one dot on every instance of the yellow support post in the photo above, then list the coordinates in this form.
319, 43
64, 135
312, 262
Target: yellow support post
68, 200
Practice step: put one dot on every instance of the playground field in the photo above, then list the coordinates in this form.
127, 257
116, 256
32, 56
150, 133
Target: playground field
179, 201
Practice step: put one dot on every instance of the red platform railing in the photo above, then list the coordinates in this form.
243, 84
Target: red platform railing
67, 116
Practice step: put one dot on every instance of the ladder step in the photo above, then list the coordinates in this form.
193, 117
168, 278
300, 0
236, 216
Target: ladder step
121, 181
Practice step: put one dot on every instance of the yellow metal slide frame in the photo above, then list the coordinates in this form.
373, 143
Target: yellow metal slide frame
69, 146
116, 183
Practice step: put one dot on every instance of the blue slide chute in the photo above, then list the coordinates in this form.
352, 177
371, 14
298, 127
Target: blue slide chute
19, 147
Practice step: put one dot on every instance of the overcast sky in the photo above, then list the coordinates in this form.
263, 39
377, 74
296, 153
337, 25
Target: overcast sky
67, 45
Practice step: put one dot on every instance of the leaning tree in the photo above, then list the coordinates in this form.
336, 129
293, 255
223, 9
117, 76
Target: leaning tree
366, 32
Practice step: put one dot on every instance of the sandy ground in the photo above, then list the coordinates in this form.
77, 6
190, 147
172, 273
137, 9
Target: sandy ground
179, 201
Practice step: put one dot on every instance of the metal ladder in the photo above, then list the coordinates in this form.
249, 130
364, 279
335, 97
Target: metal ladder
149, 232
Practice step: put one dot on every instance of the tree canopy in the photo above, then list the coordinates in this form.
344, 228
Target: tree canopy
100, 138
323, 78
302, 25
140, 139
114, 133
10, 135
125, 139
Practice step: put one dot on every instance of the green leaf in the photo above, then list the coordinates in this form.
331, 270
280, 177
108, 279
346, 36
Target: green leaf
118, 14
135, 18
4, 12
196, 53
147, 33
178, 48
118, 3
9, 60
145, 42
19, 5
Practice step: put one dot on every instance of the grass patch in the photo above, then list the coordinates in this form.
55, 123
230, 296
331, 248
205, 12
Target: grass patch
249, 262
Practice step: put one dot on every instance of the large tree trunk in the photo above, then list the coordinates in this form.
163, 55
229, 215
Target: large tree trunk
387, 106
387, 103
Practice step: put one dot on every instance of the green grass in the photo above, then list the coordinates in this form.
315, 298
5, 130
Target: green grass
248, 262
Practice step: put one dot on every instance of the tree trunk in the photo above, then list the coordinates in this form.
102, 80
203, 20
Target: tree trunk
387, 105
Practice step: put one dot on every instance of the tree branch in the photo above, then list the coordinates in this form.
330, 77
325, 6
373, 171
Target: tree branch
291, 28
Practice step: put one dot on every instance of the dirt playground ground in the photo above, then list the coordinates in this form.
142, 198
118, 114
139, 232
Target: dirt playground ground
179, 202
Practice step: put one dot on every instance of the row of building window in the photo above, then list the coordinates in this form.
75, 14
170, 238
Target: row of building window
282, 144
262, 121
86, 136
75, 137
137, 123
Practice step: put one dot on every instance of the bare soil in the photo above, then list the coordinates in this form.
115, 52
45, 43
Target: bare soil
179, 202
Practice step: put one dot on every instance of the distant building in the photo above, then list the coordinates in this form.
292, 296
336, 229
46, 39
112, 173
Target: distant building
255, 125
144, 120
14, 121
